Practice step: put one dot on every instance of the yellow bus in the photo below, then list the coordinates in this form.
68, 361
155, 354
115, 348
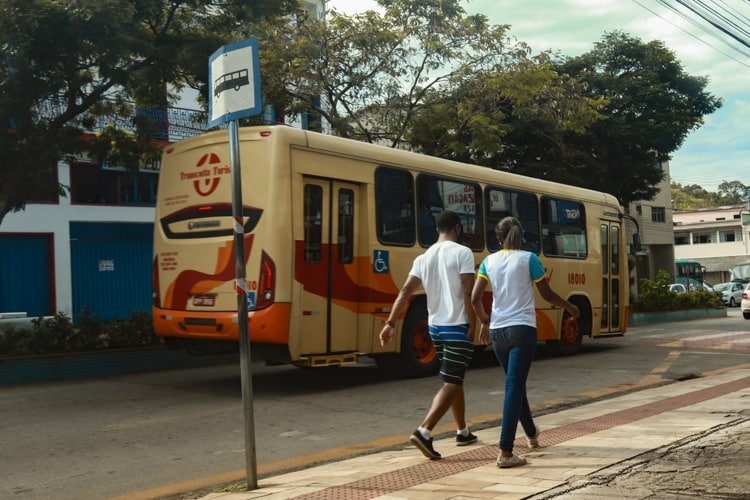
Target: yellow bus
331, 227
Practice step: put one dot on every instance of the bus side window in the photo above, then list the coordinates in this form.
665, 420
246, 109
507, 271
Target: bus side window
564, 228
435, 194
501, 203
394, 206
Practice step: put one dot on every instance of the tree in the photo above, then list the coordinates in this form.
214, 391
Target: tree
693, 196
653, 106
517, 118
366, 75
603, 120
735, 190
63, 64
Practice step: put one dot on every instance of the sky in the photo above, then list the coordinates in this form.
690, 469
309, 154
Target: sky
720, 149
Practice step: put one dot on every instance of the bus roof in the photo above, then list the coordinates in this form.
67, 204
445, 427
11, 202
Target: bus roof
384, 155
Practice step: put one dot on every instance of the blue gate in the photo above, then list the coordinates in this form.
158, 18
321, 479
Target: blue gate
26, 279
111, 268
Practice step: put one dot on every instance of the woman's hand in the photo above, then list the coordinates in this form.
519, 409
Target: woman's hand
484, 334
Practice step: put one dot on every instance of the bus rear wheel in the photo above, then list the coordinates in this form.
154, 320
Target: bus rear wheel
417, 357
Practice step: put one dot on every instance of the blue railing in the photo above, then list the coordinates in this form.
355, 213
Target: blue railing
171, 124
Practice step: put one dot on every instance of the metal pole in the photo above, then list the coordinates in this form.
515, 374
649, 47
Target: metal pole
242, 318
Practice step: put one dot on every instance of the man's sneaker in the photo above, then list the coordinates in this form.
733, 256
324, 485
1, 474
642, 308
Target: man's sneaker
424, 445
533, 441
506, 462
462, 440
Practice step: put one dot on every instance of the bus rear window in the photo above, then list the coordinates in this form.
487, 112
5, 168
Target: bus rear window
207, 221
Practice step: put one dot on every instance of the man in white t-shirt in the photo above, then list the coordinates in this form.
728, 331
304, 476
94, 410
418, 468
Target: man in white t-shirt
446, 272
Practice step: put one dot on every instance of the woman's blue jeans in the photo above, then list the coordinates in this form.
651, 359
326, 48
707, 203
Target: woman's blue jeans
514, 348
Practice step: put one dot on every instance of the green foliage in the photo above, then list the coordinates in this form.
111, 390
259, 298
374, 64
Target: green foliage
693, 196
735, 190
58, 335
136, 331
367, 74
655, 296
68, 65
602, 120
653, 104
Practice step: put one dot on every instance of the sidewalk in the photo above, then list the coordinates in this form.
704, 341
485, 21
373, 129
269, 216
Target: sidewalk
690, 438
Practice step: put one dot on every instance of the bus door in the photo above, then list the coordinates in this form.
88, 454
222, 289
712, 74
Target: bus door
612, 276
327, 267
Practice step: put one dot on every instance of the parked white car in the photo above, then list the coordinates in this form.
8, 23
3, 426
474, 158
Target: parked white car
731, 293
745, 304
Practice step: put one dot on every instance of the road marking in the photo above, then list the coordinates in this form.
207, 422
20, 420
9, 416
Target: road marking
716, 336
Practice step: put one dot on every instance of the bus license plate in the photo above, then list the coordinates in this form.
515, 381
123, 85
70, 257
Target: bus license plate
205, 300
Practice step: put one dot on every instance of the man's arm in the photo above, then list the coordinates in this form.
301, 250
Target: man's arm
411, 285
467, 281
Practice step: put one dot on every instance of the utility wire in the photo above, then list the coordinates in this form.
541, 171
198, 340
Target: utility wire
710, 19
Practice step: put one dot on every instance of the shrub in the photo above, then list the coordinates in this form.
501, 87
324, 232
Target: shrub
58, 335
655, 297
137, 331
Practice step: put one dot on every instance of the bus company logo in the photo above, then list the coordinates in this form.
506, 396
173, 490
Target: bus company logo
208, 176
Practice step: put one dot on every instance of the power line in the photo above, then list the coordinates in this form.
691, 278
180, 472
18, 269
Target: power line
725, 19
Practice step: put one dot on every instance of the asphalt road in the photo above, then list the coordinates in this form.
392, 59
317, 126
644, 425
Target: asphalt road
157, 434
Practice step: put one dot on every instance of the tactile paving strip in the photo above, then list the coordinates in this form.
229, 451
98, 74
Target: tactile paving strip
407, 477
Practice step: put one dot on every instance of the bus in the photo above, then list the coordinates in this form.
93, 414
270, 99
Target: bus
690, 273
331, 227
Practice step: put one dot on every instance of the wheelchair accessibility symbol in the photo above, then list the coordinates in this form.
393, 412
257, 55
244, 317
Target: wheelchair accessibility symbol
380, 262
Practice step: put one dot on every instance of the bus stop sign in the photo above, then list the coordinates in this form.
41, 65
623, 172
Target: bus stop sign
234, 82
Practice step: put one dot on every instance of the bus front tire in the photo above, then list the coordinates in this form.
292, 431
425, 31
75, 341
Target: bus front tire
570, 338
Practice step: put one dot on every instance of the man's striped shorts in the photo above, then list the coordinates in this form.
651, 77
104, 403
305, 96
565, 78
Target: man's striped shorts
454, 349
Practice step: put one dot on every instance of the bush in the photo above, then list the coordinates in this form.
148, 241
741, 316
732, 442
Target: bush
58, 335
656, 297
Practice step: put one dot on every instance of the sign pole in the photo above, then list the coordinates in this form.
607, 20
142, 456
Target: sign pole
234, 93
242, 318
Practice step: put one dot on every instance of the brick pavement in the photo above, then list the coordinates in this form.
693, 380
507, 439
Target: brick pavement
690, 439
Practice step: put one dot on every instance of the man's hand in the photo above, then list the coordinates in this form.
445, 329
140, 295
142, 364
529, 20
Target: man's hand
386, 334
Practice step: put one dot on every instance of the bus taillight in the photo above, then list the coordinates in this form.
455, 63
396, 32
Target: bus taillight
155, 284
266, 285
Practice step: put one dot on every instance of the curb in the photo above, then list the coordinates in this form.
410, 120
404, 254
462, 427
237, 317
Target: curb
76, 366
639, 319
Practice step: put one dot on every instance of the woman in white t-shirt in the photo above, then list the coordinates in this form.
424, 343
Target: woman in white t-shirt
512, 273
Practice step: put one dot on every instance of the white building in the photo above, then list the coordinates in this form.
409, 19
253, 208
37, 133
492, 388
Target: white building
654, 218
718, 238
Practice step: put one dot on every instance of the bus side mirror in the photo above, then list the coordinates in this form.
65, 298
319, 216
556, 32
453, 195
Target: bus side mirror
636, 243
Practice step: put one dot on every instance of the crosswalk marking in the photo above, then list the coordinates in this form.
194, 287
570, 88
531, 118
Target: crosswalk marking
716, 336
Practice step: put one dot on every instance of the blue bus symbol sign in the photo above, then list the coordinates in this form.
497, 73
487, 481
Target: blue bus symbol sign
380, 263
